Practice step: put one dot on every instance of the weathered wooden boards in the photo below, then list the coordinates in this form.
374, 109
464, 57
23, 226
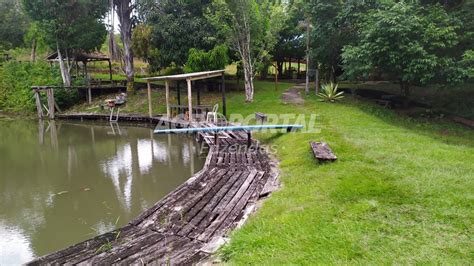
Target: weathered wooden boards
322, 151
184, 226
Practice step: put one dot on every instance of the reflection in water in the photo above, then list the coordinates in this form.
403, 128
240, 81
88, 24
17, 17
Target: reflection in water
61, 183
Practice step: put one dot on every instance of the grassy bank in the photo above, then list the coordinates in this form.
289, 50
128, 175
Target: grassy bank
401, 191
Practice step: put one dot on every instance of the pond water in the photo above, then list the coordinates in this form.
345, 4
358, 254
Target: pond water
64, 182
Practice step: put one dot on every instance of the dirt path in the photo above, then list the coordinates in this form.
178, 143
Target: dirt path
292, 95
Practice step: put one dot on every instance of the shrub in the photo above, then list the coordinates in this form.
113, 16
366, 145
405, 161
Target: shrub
200, 60
16, 80
329, 93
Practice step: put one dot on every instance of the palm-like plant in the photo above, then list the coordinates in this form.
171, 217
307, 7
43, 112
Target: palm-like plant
329, 93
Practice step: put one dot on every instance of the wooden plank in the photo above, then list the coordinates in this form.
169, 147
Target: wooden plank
173, 197
224, 209
206, 218
230, 217
159, 253
322, 151
208, 202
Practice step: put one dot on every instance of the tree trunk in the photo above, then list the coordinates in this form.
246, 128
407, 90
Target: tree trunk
316, 82
280, 69
114, 50
308, 32
64, 70
124, 10
33, 51
248, 79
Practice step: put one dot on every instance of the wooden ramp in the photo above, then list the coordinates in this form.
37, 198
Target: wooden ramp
190, 223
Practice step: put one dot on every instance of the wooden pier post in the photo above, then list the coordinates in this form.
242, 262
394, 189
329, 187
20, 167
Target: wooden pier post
224, 107
50, 101
149, 99
190, 100
89, 95
167, 88
39, 108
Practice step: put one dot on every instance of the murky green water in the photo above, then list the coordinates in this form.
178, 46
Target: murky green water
63, 182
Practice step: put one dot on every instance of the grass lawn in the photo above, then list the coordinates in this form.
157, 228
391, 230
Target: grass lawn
402, 190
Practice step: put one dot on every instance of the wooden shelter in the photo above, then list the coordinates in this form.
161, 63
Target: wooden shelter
84, 58
189, 77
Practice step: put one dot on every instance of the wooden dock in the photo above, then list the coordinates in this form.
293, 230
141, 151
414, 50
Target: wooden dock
190, 223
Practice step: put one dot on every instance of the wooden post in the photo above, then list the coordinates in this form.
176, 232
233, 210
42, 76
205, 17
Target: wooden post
39, 108
190, 100
178, 90
110, 70
50, 93
167, 88
149, 99
85, 71
198, 93
89, 95
224, 106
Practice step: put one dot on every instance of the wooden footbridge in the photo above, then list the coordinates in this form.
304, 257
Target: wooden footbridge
190, 223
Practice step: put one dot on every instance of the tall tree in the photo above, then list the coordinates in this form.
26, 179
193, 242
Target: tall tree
250, 28
176, 27
69, 26
14, 24
406, 42
125, 10
335, 25
290, 42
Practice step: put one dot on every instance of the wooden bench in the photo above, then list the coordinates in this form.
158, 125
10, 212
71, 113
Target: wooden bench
322, 151
261, 117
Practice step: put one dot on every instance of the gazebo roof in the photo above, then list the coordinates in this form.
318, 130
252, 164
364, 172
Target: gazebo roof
84, 57
190, 76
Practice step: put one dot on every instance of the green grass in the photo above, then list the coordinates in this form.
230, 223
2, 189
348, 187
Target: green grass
401, 191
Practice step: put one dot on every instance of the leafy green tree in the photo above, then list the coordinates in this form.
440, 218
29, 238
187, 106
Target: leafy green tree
141, 41
406, 42
36, 38
14, 24
178, 26
250, 28
290, 42
335, 24
69, 26
200, 60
